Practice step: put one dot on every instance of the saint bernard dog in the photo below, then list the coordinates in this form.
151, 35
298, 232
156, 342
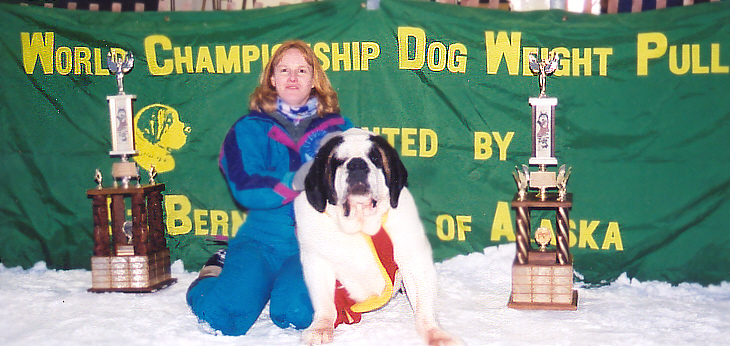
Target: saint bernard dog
361, 238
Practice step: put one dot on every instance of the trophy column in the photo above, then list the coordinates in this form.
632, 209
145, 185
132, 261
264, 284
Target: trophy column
542, 277
130, 254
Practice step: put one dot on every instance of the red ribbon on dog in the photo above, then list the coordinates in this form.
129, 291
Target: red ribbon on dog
343, 303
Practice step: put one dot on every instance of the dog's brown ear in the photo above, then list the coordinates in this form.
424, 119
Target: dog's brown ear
396, 175
320, 181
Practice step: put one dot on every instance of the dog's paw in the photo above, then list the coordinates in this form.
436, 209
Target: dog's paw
438, 337
318, 335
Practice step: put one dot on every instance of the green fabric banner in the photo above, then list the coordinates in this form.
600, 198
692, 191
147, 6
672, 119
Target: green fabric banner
641, 119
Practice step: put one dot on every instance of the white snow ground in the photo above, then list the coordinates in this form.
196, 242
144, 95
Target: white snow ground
52, 307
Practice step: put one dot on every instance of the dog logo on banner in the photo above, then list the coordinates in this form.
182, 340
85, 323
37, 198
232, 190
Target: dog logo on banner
158, 132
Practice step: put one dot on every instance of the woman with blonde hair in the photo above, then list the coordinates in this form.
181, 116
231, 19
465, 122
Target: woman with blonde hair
265, 95
291, 111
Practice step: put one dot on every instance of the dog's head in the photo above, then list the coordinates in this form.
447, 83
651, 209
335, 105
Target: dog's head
355, 169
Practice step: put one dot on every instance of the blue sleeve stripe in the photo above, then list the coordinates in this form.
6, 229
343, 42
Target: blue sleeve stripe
232, 166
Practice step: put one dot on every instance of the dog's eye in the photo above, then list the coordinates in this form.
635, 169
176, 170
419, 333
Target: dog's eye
335, 163
375, 158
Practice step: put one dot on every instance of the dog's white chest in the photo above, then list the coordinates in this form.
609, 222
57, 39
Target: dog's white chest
358, 267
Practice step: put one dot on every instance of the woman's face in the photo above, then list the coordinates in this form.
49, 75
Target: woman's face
292, 78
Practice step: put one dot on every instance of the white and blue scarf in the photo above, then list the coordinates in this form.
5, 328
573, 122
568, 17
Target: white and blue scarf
297, 114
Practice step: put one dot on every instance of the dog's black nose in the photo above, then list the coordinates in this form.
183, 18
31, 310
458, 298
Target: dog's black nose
357, 172
357, 164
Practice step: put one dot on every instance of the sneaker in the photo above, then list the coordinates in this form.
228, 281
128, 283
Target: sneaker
213, 267
218, 258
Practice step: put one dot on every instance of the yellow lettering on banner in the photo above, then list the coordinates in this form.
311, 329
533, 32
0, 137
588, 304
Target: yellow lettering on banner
654, 45
99, 70
503, 47
502, 223
674, 67
437, 56
177, 208
483, 145
613, 237
370, 51
186, 59
603, 54
218, 221
63, 60
645, 52
457, 63
502, 144
153, 65
582, 61
427, 140
585, 234
250, 54
356, 56
264, 53
404, 36
715, 65
407, 141
320, 48
347, 56
571, 237
341, 57
227, 62
697, 67
565, 60
649, 46
82, 60
204, 61
390, 134
573, 62
429, 143
179, 221
453, 229
450, 229
199, 222
462, 226
35, 47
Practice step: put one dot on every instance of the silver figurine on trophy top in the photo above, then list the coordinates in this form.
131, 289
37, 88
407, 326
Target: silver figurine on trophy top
543, 137
122, 120
120, 65
543, 68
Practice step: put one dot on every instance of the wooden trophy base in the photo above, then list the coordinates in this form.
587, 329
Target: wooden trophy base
542, 284
130, 273
122, 262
